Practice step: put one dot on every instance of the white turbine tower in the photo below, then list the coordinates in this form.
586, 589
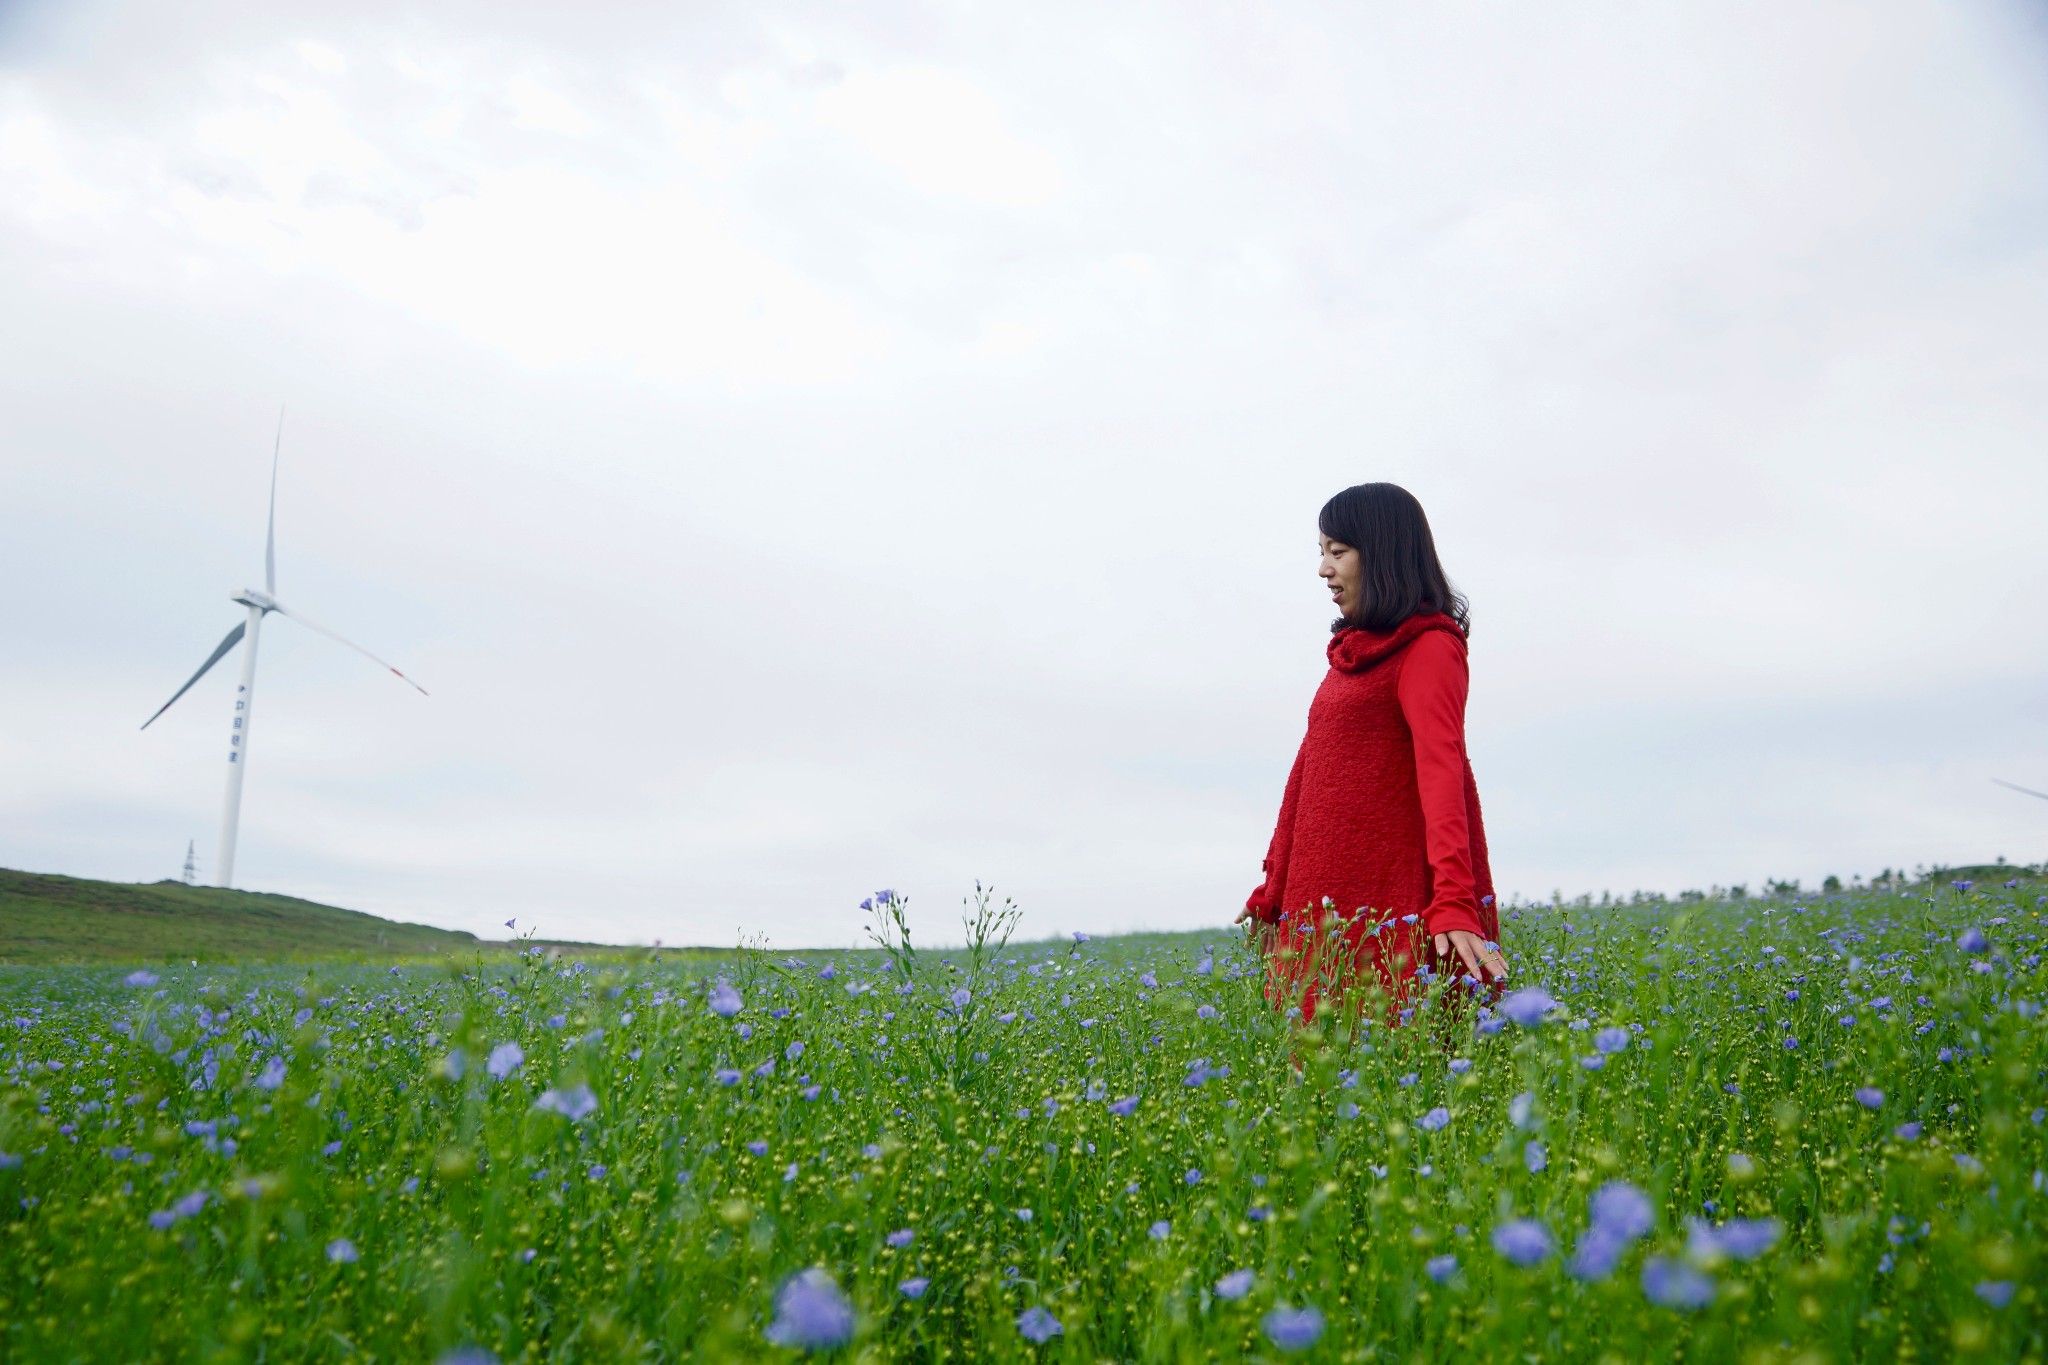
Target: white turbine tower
259, 604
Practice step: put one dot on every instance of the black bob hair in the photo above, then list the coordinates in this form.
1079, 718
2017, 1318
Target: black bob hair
1400, 573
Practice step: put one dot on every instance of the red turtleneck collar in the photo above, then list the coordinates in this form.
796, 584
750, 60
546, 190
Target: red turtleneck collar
1355, 649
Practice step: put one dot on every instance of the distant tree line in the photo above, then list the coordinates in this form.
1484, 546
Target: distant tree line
1890, 879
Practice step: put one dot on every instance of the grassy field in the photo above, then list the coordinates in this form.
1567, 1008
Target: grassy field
45, 918
1788, 1130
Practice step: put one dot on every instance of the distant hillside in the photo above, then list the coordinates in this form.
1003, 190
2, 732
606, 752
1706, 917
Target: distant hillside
48, 918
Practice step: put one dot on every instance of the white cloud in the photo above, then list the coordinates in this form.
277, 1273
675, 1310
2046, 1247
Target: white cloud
943, 133
882, 448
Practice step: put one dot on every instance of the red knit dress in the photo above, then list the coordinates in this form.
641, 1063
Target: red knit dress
1381, 816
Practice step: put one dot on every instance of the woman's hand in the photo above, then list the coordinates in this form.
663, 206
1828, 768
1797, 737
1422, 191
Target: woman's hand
1481, 959
1258, 931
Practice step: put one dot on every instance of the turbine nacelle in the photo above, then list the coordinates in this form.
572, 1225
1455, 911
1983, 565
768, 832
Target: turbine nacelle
255, 597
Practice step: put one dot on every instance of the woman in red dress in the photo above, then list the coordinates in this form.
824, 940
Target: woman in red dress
1377, 869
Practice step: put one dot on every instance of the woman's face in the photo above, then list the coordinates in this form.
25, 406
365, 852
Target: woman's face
1341, 570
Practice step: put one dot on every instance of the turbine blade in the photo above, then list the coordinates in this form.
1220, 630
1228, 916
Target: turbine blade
211, 659
270, 537
2016, 787
280, 610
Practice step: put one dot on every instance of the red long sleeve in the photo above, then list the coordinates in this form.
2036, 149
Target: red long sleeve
1432, 689
1264, 903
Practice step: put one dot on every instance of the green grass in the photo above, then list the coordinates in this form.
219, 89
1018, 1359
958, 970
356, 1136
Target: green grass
45, 918
181, 1156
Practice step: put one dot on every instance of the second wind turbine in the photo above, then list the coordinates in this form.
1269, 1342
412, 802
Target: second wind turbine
260, 603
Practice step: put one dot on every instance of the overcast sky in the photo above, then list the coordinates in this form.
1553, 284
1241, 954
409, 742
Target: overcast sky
811, 449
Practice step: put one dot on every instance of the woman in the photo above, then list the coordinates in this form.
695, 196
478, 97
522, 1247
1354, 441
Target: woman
1377, 869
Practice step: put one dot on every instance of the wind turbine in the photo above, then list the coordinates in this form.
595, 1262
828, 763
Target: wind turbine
260, 604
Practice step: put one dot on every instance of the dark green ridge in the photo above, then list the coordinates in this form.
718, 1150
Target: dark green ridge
46, 918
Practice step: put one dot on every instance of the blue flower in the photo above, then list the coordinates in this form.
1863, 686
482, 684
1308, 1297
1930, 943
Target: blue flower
810, 1313
1997, 1293
1870, 1097
1460, 1065
1622, 1209
272, 1075
1611, 1040
1741, 1239
1441, 1268
902, 1237
1527, 1006
1159, 1230
1235, 1285
914, 1287
1972, 940
1036, 1323
575, 1104
1674, 1284
341, 1251
505, 1059
1434, 1119
1522, 1108
1533, 1156
1124, 1106
1747, 1238
1907, 1132
141, 977
1597, 1253
1194, 1175
1293, 1329
725, 1001
726, 1075
1522, 1240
